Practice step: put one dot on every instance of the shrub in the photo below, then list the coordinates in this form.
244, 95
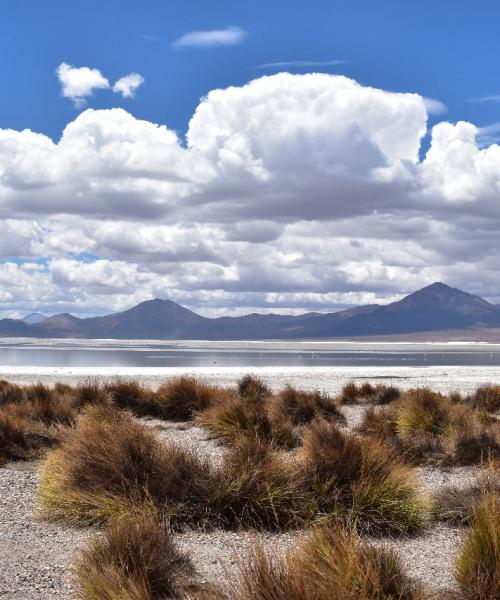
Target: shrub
231, 418
303, 407
257, 489
181, 398
10, 393
362, 479
253, 389
368, 393
349, 394
332, 564
429, 426
130, 395
478, 564
90, 391
135, 558
112, 461
486, 397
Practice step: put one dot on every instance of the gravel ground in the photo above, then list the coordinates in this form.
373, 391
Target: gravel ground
34, 555
430, 556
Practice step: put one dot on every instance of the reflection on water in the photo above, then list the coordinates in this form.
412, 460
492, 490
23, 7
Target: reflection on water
147, 353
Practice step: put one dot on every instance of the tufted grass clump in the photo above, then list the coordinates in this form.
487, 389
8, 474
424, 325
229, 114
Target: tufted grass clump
486, 397
428, 426
477, 568
367, 393
258, 415
331, 564
182, 398
362, 480
258, 489
134, 558
111, 462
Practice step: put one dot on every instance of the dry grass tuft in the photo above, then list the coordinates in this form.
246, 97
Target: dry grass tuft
426, 425
368, 393
253, 389
363, 480
478, 564
303, 407
183, 397
258, 415
486, 397
232, 418
110, 462
332, 564
257, 489
134, 559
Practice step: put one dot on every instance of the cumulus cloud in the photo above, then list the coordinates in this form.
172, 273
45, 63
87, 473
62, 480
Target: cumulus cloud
80, 82
293, 192
127, 86
231, 36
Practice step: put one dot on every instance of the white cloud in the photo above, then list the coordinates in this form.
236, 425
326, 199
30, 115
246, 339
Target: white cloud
80, 82
435, 107
481, 99
231, 36
292, 192
301, 64
127, 85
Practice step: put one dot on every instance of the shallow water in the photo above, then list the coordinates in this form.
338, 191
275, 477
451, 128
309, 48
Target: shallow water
151, 353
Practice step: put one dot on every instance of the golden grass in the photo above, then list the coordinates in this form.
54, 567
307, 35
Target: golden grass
426, 425
478, 564
332, 564
134, 558
112, 461
361, 479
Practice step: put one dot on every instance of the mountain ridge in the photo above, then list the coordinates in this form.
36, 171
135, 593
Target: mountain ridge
436, 307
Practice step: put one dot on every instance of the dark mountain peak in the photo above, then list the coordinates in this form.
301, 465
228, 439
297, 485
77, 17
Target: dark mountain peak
439, 295
157, 306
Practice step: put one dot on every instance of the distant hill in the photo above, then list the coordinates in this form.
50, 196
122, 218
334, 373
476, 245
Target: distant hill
35, 317
436, 307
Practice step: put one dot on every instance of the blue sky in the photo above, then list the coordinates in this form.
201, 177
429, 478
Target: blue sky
246, 156
445, 50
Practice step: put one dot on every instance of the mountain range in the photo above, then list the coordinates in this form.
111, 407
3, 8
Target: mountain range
434, 308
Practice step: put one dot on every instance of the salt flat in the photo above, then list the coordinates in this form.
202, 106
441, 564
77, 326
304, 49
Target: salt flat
327, 379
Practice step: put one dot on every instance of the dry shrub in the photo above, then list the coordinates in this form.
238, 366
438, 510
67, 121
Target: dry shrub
362, 479
32, 420
253, 389
332, 564
134, 559
257, 489
90, 391
181, 398
258, 415
10, 393
130, 395
231, 418
303, 407
486, 397
477, 568
426, 425
112, 461
368, 393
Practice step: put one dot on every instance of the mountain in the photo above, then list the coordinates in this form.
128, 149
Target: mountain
35, 317
434, 308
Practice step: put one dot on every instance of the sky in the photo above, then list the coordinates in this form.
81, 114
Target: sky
238, 157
